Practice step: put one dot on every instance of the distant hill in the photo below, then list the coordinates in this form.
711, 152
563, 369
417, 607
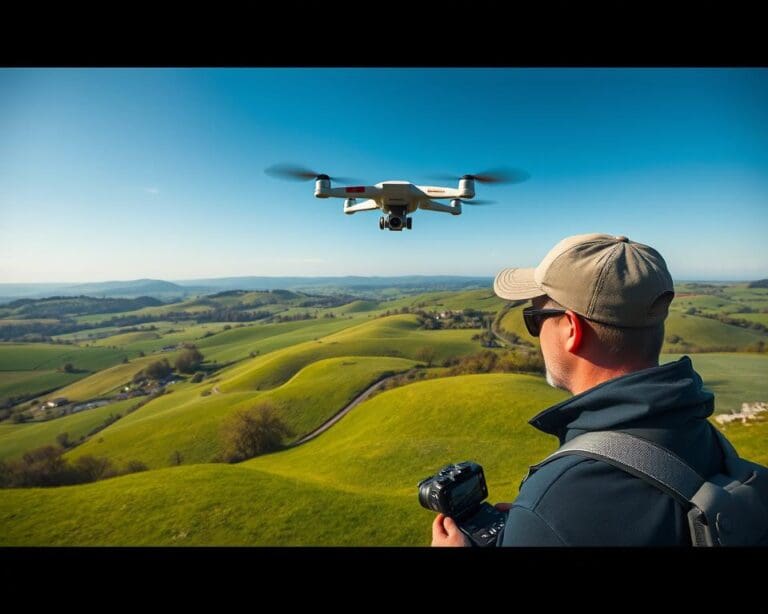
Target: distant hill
761, 283
180, 289
128, 289
106, 289
351, 284
62, 306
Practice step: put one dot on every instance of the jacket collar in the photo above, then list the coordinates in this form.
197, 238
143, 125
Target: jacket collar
672, 387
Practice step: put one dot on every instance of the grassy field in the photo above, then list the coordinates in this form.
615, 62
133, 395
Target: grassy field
395, 439
16, 439
365, 467
733, 378
18, 383
42, 356
393, 336
33, 368
709, 334
315, 494
107, 381
189, 423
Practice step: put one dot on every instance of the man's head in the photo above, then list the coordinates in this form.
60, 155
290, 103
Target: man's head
613, 296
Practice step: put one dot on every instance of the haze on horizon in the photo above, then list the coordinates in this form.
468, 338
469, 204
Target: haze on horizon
122, 174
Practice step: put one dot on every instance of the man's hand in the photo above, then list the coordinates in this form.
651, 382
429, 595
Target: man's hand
445, 532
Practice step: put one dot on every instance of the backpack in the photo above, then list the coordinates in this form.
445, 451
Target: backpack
726, 509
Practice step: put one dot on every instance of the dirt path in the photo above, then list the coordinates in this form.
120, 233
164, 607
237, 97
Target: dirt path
345, 410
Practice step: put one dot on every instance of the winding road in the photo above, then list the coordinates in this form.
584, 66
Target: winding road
346, 409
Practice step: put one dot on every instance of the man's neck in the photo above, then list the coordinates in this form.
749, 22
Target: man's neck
588, 375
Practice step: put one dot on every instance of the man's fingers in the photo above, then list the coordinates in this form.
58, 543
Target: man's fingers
450, 525
503, 507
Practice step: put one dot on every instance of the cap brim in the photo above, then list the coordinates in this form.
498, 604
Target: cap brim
516, 284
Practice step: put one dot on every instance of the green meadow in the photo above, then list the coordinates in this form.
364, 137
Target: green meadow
16, 439
354, 484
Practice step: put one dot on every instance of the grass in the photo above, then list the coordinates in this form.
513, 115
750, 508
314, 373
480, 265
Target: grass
46, 356
365, 467
29, 383
354, 485
107, 381
394, 336
16, 439
709, 334
733, 378
186, 422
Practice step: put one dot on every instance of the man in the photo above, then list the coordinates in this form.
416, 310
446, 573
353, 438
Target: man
598, 307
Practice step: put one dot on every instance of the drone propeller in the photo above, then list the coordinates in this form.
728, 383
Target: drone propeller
292, 172
499, 175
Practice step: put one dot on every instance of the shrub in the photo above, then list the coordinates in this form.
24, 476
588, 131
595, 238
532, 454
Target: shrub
189, 360
135, 466
426, 355
198, 377
92, 468
63, 440
159, 369
249, 433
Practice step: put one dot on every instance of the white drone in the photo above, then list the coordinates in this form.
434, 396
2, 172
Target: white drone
399, 198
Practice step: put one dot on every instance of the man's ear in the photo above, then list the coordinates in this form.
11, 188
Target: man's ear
573, 342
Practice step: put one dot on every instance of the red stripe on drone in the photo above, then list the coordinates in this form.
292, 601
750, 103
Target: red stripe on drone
357, 189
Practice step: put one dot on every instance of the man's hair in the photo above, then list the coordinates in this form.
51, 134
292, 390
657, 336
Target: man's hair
641, 343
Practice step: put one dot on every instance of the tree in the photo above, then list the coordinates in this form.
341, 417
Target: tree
63, 440
426, 354
252, 432
69, 367
159, 369
189, 360
92, 468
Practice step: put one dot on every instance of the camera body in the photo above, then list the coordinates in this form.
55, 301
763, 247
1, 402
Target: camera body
458, 490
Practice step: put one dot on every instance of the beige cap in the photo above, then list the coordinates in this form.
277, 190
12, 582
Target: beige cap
602, 277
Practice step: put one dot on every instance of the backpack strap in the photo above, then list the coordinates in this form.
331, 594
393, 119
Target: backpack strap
649, 462
639, 457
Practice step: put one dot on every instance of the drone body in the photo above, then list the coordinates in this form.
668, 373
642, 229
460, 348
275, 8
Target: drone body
398, 199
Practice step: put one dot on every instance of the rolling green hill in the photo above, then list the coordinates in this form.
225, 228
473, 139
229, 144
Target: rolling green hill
29, 369
104, 382
709, 334
187, 422
393, 336
733, 378
16, 439
354, 485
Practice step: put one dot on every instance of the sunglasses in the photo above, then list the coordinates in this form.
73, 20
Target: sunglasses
534, 318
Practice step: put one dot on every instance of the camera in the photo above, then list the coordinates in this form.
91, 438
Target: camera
458, 491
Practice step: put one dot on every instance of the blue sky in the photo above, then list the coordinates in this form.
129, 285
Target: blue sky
126, 173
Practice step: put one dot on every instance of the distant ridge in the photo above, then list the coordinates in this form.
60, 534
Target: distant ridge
179, 289
348, 281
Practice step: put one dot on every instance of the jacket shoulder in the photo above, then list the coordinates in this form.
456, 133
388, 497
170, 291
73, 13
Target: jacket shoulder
589, 502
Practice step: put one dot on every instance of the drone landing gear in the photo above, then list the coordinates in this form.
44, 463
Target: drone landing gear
382, 223
409, 223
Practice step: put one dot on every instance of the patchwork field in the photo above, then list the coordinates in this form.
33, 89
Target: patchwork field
355, 484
